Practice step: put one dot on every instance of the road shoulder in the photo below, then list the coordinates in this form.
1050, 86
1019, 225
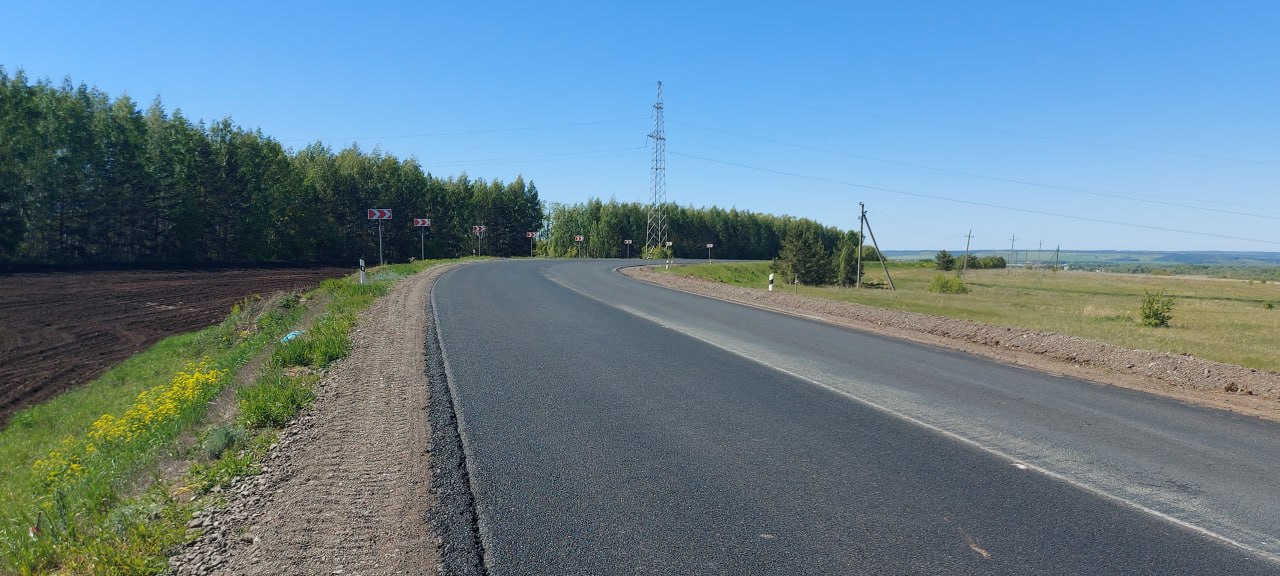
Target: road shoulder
1228, 387
348, 487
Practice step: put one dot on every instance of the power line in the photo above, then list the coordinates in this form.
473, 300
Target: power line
603, 153
472, 132
977, 203
1092, 192
1025, 135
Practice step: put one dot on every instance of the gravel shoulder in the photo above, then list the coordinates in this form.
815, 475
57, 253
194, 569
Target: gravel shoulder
347, 490
1225, 386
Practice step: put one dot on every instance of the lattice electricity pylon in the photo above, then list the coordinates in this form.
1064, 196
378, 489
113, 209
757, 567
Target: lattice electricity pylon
656, 234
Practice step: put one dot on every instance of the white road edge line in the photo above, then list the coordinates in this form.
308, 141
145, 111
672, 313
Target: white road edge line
911, 419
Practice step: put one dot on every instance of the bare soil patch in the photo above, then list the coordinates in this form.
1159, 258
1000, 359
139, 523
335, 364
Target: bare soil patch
63, 329
1186, 378
347, 490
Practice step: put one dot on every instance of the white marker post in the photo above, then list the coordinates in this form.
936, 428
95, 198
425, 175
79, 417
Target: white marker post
771, 281
668, 255
362, 271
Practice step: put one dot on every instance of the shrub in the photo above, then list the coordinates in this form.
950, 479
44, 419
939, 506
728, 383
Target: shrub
1269, 305
221, 439
655, 253
990, 262
847, 263
1157, 309
944, 284
944, 260
804, 258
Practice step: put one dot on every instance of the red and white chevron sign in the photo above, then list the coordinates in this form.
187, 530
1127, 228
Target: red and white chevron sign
379, 214
530, 234
421, 221
477, 229
578, 238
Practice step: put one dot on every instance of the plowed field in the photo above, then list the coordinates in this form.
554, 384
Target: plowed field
61, 329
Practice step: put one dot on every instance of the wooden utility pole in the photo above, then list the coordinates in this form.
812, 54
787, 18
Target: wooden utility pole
964, 262
1013, 256
862, 217
879, 253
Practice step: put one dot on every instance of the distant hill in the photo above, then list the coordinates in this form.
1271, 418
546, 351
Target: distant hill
1107, 258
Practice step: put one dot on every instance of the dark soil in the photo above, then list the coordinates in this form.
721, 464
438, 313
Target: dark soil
62, 329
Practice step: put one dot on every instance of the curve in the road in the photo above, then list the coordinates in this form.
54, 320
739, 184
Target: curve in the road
641, 430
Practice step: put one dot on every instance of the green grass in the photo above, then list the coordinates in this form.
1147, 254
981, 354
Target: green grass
80, 515
274, 399
1215, 319
752, 274
95, 520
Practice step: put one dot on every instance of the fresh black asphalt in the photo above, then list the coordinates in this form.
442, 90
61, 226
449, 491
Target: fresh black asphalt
612, 427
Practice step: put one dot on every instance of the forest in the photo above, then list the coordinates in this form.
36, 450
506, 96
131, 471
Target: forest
87, 180
734, 234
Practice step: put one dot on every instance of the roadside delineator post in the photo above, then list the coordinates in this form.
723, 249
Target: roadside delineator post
362, 271
771, 281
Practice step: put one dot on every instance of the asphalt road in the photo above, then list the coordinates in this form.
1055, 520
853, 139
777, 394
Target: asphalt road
614, 427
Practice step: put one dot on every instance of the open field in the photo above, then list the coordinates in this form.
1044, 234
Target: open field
1223, 320
105, 478
62, 329
1110, 257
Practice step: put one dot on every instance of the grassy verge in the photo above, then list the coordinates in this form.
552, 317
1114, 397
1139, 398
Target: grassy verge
75, 496
1232, 321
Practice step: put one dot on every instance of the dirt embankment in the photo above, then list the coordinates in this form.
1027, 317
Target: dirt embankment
1235, 388
348, 488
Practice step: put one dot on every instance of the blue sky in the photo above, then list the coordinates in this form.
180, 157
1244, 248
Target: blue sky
1089, 125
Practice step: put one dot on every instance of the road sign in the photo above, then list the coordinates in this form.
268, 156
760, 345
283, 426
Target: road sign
668, 243
421, 221
578, 238
709, 245
627, 242
477, 229
530, 234
379, 214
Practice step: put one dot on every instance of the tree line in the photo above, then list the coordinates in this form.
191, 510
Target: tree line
734, 234
90, 180
86, 179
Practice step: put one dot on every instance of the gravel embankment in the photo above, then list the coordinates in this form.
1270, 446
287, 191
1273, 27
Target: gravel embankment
1227, 386
347, 489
